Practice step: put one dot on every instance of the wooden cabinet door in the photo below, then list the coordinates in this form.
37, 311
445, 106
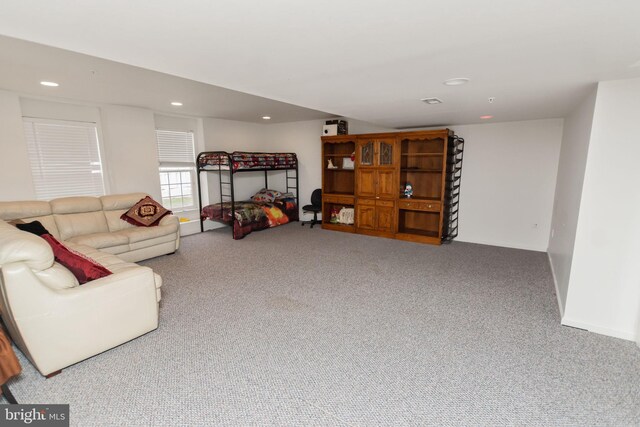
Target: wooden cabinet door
366, 183
385, 219
387, 187
365, 155
365, 216
385, 152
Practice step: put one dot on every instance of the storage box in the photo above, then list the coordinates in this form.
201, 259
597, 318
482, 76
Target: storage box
329, 130
335, 127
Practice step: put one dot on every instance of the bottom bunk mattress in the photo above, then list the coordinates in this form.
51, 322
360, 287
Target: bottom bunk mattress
251, 216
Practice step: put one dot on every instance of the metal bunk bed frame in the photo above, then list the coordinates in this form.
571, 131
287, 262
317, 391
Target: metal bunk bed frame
227, 166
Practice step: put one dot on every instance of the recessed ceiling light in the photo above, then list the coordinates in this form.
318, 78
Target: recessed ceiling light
266, 117
50, 84
456, 81
176, 104
486, 117
431, 101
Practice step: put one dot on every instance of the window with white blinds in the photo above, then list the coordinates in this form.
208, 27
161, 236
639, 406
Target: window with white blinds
176, 153
64, 157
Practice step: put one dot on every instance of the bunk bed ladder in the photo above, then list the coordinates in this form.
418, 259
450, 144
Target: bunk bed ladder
453, 178
290, 187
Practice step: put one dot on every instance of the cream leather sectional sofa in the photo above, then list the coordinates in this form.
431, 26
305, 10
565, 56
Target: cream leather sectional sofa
95, 222
51, 318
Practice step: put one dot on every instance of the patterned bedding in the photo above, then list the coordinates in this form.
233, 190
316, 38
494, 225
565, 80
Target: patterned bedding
243, 160
251, 216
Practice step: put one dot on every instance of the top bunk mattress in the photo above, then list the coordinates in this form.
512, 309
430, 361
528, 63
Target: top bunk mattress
240, 160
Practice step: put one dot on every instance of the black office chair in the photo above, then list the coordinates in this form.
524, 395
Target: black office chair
315, 207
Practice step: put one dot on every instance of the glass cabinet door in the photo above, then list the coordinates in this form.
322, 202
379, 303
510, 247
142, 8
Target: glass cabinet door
386, 154
366, 154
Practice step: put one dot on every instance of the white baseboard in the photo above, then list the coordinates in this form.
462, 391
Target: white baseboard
193, 227
625, 335
555, 283
501, 244
189, 227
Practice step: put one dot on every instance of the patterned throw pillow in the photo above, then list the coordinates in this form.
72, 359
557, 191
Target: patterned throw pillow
146, 213
84, 268
266, 195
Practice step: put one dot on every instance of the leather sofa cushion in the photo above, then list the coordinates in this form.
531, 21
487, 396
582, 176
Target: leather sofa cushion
101, 240
138, 234
26, 209
114, 222
30, 211
78, 224
121, 201
70, 205
148, 243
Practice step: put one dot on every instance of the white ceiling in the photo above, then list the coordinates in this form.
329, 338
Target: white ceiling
367, 59
87, 78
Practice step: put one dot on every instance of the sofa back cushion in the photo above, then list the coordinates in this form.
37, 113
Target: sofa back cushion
117, 204
29, 211
20, 246
76, 216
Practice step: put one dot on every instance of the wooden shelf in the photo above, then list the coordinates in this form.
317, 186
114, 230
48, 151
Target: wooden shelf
338, 193
423, 154
421, 170
425, 233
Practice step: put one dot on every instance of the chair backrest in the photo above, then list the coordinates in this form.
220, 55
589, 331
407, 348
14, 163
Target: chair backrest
316, 197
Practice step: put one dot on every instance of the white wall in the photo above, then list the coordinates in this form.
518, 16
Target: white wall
15, 173
47, 109
508, 181
303, 138
571, 168
604, 286
231, 135
131, 153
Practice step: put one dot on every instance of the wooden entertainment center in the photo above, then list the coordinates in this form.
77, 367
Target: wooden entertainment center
374, 184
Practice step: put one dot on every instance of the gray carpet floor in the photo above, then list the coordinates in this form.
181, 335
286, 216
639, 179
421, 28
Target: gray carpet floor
293, 326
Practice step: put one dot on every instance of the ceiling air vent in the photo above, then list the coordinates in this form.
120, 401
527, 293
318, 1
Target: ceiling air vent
431, 101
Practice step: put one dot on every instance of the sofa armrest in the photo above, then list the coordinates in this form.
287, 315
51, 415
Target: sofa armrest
59, 327
169, 219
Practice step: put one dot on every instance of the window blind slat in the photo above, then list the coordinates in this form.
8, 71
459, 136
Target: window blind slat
175, 146
64, 158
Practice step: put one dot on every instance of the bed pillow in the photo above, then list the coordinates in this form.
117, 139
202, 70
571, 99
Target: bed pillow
146, 213
266, 195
